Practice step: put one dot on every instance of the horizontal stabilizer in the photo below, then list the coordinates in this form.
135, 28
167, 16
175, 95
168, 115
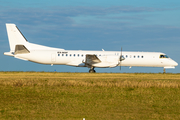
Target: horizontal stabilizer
9, 53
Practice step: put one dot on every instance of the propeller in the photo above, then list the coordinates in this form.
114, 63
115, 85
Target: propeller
121, 58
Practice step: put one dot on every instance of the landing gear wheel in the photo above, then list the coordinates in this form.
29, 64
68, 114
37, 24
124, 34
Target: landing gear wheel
92, 70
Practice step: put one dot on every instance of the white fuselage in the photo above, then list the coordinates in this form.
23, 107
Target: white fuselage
108, 58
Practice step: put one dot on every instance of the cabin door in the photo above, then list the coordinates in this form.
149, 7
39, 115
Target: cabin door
53, 57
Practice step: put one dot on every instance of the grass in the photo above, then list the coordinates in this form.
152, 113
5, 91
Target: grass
74, 96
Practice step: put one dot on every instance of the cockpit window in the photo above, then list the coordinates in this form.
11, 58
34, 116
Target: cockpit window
163, 56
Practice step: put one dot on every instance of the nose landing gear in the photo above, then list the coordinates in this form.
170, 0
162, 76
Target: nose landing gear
164, 70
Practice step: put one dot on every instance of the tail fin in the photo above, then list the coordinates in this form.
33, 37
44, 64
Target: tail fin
18, 43
15, 37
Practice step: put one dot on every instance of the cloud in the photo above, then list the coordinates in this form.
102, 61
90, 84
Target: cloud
75, 11
64, 14
96, 23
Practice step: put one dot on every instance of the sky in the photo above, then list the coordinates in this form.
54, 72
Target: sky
134, 25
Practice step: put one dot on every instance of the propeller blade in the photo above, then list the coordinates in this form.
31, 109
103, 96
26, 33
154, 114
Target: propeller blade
120, 58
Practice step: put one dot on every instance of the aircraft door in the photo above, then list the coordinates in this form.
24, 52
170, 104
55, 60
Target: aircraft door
53, 57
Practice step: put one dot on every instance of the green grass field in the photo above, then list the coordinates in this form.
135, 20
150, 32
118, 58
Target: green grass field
99, 96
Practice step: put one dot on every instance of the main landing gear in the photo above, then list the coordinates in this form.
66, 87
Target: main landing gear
92, 70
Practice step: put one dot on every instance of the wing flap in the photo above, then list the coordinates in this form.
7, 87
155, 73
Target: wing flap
92, 59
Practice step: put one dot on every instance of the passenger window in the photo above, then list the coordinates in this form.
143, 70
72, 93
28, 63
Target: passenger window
62, 54
142, 56
66, 54
70, 55
74, 55
138, 56
134, 56
78, 55
81, 55
126, 56
58, 54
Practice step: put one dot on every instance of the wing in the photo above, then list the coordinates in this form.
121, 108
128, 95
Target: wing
92, 59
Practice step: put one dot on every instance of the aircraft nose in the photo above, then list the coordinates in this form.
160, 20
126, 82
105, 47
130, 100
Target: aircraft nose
176, 64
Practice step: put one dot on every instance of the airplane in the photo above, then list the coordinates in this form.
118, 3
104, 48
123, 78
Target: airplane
22, 49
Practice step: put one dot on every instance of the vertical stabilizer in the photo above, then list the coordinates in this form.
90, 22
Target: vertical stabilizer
15, 37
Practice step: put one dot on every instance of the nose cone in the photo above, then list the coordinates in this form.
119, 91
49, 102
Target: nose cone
175, 63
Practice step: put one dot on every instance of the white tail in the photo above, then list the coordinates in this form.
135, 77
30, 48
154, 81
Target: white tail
15, 37
18, 43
